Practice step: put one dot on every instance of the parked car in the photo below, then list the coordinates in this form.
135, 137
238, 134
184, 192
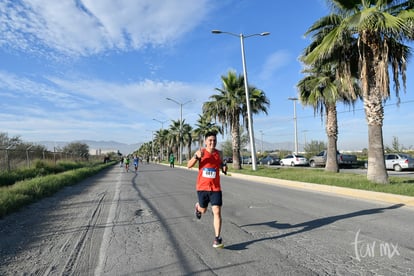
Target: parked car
228, 159
246, 160
398, 161
343, 159
294, 160
270, 160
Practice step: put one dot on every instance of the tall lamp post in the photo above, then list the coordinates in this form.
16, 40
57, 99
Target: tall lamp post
246, 88
161, 122
181, 126
295, 122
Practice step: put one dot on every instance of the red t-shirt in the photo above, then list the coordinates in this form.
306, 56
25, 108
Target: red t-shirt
209, 171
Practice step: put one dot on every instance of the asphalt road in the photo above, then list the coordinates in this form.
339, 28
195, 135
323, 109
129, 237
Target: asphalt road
119, 223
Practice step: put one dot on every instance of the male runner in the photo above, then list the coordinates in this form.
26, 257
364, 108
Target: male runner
136, 161
208, 182
126, 162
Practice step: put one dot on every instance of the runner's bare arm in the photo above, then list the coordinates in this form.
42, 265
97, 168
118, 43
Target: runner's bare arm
194, 159
223, 164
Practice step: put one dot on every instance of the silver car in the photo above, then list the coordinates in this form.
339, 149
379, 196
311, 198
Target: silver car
294, 160
270, 160
246, 160
398, 161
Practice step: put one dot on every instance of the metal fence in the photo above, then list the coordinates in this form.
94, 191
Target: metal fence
11, 159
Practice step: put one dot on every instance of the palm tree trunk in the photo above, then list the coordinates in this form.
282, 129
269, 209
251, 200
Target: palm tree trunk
235, 136
332, 133
374, 86
188, 144
376, 172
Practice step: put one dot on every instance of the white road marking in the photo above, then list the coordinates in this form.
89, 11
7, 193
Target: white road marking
106, 236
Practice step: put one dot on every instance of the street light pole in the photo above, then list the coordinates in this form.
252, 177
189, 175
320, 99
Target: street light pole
181, 127
246, 88
295, 122
161, 122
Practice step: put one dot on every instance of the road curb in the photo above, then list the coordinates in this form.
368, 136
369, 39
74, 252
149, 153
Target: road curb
361, 194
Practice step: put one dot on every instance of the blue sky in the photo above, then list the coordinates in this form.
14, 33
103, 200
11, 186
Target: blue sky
102, 70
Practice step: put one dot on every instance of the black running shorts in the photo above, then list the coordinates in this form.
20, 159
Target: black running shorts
206, 197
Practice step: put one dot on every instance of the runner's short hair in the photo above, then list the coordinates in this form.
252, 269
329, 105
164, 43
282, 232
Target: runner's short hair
210, 133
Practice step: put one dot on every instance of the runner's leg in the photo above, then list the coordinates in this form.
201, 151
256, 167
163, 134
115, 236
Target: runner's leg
217, 219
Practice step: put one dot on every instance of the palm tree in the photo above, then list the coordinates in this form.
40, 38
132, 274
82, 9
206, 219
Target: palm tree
330, 80
145, 150
380, 27
174, 136
230, 104
161, 140
204, 125
322, 90
187, 137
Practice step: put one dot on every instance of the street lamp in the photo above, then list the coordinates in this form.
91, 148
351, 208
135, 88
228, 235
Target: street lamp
246, 88
161, 122
181, 126
295, 122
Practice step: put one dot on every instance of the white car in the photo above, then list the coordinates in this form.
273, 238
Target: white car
294, 160
398, 161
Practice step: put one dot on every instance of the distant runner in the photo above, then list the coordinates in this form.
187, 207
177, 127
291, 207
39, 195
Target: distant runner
136, 161
172, 159
126, 161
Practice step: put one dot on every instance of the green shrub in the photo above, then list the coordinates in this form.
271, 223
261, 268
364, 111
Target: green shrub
24, 192
11, 201
41, 168
9, 178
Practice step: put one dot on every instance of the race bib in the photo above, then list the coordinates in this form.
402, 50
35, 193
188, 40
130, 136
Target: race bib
209, 173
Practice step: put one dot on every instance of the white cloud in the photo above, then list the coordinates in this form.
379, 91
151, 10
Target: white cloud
143, 97
20, 89
274, 62
82, 28
87, 108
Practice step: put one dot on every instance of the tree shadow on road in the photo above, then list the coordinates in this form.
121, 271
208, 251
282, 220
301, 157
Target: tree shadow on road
307, 226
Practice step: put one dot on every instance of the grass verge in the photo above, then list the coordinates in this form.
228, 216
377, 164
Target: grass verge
41, 168
398, 185
25, 192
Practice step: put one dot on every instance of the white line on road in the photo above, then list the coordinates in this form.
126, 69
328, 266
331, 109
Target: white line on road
110, 221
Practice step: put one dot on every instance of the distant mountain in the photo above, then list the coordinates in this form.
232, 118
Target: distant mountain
268, 146
104, 146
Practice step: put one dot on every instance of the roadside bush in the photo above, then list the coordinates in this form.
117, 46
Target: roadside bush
9, 178
61, 166
41, 168
24, 192
11, 201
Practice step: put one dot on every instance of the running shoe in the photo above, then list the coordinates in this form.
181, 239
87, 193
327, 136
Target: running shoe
218, 242
197, 212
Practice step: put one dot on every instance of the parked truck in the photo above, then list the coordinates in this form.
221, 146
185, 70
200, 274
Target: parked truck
344, 160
